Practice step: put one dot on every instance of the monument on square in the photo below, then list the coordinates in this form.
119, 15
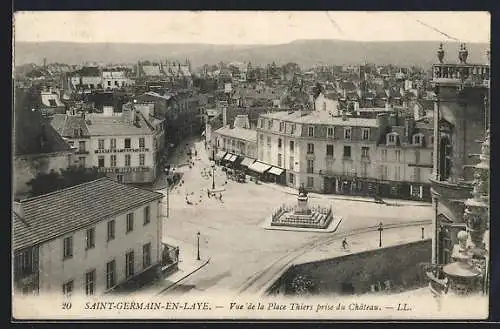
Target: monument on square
303, 215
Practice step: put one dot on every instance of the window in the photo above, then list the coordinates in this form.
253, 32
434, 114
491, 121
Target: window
364, 169
431, 140
397, 153
397, 173
268, 141
130, 222
279, 142
347, 152
90, 283
329, 150
81, 146
67, 288
112, 144
90, 238
310, 181
110, 274
113, 160
329, 132
100, 144
147, 215
100, 161
127, 143
365, 152
142, 142
282, 126
432, 157
310, 166
109, 83
310, 131
417, 156
310, 148
383, 172
416, 174
127, 160
292, 145
392, 138
366, 134
384, 155
290, 178
292, 130
146, 255
111, 230
261, 139
68, 247
142, 159
24, 262
129, 264
81, 161
279, 160
347, 133
270, 124
261, 123
291, 163
417, 139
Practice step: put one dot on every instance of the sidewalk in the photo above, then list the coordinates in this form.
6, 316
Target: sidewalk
392, 202
187, 265
332, 248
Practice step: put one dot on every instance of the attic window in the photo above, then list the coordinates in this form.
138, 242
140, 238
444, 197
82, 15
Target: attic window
418, 139
392, 138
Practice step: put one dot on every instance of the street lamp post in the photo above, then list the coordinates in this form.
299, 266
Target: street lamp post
213, 176
380, 229
198, 244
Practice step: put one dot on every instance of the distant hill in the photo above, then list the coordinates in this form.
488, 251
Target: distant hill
304, 52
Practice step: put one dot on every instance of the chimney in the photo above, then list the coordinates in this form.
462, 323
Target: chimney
344, 116
17, 207
224, 116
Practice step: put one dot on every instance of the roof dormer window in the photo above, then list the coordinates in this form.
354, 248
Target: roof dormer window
418, 139
392, 138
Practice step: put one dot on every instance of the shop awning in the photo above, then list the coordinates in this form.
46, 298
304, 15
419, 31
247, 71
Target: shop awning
276, 171
247, 162
220, 155
259, 167
228, 156
233, 158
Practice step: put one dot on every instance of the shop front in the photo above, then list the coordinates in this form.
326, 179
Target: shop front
258, 170
245, 163
277, 175
219, 157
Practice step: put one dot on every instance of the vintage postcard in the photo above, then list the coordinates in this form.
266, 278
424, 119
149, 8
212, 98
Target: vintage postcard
251, 165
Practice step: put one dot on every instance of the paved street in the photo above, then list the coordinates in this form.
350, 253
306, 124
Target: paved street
231, 235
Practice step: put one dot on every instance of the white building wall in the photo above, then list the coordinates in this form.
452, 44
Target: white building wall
54, 271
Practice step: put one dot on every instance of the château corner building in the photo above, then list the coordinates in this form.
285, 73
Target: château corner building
86, 239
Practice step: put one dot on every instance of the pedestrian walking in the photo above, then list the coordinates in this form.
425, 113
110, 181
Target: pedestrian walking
220, 196
344, 243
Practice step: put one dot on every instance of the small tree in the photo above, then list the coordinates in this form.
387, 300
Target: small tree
303, 285
45, 183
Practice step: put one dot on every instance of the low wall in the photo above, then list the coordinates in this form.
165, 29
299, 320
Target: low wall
395, 268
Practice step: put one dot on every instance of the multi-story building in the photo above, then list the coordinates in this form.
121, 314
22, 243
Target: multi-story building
459, 184
86, 239
347, 155
123, 145
239, 140
115, 79
37, 147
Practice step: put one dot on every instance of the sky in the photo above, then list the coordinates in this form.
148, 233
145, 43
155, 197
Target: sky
259, 27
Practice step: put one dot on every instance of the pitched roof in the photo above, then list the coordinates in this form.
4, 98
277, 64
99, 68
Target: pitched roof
101, 125
320, 117
65, 124
249, 135
49, 216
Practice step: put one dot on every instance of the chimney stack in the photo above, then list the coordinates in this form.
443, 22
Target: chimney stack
224, 116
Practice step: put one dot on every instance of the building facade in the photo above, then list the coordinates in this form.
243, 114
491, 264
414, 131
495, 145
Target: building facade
115, 236
124, 145
347, 155
461, 118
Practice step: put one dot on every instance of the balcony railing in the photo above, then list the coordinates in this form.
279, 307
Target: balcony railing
473, 75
